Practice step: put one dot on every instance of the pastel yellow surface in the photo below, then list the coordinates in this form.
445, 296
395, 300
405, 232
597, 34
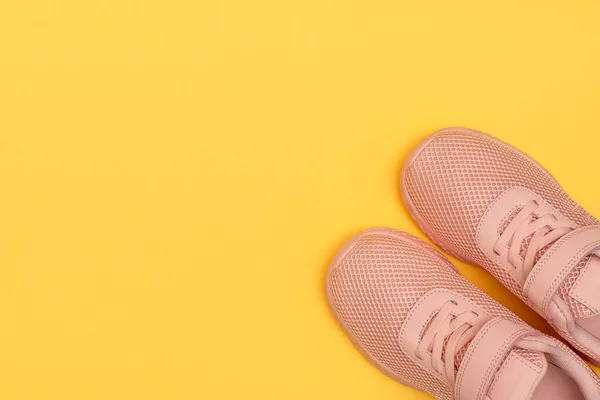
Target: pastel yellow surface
176, 176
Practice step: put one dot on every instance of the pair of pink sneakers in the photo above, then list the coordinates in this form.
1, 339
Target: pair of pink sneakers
415, 317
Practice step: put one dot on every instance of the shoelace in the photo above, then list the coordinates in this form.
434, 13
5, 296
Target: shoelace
545, 230
446, 325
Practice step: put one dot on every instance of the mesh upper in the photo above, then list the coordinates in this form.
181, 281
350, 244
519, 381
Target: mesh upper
456, 177
376, 284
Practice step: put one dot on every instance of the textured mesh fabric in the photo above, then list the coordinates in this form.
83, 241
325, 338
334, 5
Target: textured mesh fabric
455, 178
376, 284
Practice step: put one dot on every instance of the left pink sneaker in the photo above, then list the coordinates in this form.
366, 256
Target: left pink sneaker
489, 204
412, 315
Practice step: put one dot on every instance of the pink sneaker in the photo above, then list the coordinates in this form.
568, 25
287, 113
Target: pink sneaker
412, 315
489, 204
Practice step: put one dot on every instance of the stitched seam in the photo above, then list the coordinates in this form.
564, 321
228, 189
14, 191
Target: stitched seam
551, 322
527, 364
516, 357
484, 217
510, 357
541, 263
427, 321
494, 361
403, 329
565, 271
470, 352
573, 290
535, 370
505, 218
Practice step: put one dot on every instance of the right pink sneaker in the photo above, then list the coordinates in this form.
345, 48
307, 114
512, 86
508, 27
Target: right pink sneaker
489, 204
412, 315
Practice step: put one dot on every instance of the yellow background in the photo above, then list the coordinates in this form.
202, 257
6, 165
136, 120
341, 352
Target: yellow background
176, 175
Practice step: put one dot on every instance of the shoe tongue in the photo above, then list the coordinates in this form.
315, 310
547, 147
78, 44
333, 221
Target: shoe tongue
518, 375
